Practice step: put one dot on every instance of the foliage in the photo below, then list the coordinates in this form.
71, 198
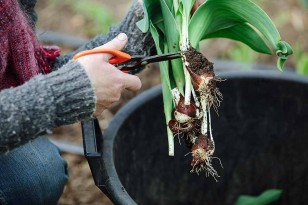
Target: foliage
265, 198
174, 28
301, 59
304, 3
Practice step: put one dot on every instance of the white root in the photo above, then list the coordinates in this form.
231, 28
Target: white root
210, 125
188, 84
207, 167
204, 125
176, 96
181, 117
197, 103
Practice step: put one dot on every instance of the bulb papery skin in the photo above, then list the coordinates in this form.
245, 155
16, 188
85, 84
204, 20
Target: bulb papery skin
201, 143
201, 81
181, 128
189, 110
200, 150
181, 117
199, 156
174, 126
207, 79
196, 79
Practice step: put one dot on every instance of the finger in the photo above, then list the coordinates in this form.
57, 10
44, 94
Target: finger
132, 82
117, 43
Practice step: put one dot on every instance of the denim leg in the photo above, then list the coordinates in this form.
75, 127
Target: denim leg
32, 174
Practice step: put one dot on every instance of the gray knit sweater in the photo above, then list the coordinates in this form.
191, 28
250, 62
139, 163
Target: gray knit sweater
64, 96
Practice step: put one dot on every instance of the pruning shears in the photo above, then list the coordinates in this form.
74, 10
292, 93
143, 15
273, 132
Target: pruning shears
127, 63
91, 132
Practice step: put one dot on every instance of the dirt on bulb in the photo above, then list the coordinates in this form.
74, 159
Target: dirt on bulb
198, 63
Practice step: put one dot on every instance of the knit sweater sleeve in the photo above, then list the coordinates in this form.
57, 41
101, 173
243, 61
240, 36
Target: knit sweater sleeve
43, 103
138, 43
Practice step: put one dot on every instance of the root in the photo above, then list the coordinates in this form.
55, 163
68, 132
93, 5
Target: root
205, 166
218, 160
206, 96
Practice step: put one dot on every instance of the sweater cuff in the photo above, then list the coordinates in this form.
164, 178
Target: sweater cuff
73, 93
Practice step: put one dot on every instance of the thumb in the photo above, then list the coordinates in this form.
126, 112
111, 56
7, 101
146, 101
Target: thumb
117, 43
131, 82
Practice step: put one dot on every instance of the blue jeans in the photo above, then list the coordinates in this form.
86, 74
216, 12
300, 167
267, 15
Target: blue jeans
34, 173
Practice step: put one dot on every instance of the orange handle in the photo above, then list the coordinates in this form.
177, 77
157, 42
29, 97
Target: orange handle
118, 56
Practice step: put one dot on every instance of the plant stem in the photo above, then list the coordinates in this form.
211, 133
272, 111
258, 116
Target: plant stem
175, 6
204, 124
170, 142
210, 124
184, 44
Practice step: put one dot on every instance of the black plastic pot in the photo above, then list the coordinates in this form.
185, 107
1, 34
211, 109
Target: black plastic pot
261, 138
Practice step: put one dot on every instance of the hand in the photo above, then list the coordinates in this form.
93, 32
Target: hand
108, 81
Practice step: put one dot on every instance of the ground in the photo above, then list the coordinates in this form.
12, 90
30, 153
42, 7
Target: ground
86, 18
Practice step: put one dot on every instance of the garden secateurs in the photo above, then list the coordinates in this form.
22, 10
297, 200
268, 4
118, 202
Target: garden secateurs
127, 63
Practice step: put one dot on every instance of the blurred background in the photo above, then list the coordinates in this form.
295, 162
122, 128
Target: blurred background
84, 19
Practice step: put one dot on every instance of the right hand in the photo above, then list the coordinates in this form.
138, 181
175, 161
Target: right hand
108, 81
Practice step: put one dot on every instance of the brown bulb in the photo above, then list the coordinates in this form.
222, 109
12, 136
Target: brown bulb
189, 110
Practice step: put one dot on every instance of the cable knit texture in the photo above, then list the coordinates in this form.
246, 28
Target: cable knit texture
21, 56
63, 96
43, 103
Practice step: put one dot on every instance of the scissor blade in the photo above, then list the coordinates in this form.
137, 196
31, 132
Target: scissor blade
141, 61
162, 57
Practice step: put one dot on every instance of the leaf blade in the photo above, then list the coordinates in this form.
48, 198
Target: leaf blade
215, 15
173, 37
265, 198
166, 88
243, 33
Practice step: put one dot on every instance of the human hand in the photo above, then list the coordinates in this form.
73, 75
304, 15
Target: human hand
108, 81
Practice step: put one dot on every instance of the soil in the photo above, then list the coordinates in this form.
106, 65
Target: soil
198, 63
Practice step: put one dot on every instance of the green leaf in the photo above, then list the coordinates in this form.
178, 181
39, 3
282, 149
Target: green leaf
151, 9
283, 50
243, 33
169, 3
143, 24
215, 15
302, 64
187, 5
166, 87
173, 38
304, 3
265, 198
